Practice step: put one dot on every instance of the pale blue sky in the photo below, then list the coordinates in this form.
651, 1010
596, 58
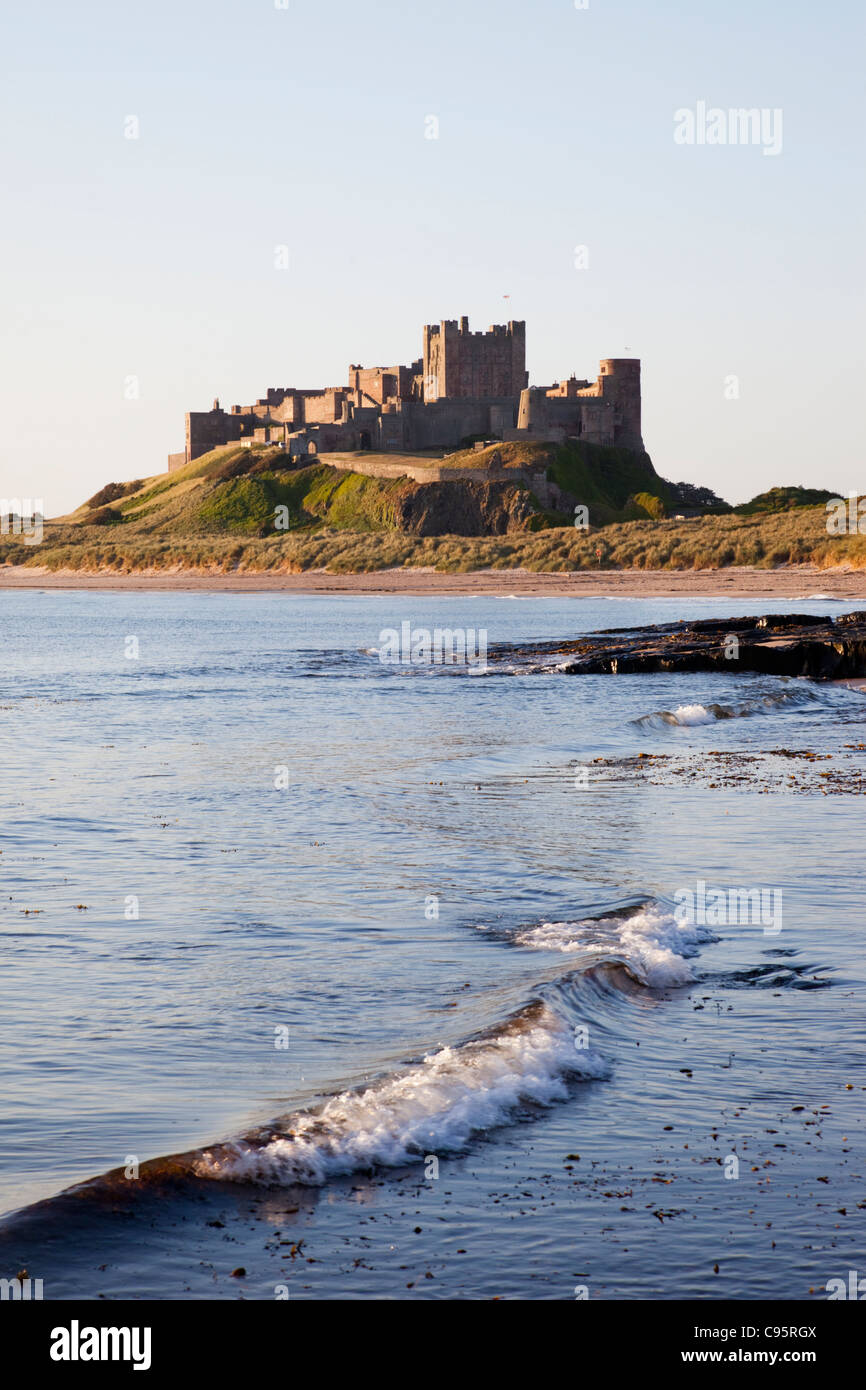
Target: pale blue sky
154, 258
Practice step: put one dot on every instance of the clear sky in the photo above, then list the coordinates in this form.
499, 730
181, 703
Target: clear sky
148, 264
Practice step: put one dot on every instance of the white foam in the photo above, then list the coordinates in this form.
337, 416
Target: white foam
434, 1107
687, 716
693, 714
651, 943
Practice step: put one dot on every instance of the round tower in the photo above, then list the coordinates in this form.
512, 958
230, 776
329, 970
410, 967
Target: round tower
619, 379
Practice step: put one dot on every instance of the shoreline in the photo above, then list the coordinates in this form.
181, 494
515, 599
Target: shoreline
797, 582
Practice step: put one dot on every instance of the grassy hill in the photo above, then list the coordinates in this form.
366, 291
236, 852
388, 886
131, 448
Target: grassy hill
784, 499
220, 513
235, 490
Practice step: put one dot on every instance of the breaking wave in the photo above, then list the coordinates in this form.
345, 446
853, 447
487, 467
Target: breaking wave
687, 716
455, 1094
649, 942
436, 1106
442, 1102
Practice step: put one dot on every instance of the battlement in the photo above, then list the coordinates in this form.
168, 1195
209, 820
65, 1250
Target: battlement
619, 366
461, 326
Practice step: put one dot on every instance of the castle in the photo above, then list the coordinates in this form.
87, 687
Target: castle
464, 386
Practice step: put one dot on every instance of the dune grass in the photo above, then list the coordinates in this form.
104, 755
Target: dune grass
712, 542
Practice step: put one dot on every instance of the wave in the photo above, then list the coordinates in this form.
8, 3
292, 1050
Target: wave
442, 1102
453, 1095
649, 942
437, 1106
687, 716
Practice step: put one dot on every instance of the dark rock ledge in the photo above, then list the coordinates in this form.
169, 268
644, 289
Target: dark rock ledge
780, 644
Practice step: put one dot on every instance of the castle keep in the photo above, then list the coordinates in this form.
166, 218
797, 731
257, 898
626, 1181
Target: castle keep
465, 385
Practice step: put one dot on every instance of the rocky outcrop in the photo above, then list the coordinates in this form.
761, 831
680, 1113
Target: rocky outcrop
791, 644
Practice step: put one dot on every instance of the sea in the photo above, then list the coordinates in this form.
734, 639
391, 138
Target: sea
332, 975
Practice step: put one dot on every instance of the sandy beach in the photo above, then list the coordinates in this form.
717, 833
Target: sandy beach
794, 582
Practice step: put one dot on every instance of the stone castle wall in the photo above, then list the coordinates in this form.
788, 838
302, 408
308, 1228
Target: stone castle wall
464, 384
206, 430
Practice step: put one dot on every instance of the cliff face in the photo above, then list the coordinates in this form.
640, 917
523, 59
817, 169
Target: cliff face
465, 509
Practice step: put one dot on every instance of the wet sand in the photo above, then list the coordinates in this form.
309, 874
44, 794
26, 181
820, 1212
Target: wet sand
791, 582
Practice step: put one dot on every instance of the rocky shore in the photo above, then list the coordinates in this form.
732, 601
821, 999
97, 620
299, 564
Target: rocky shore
778, 644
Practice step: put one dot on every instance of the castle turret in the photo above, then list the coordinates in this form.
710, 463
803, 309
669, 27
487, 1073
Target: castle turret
619, 384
